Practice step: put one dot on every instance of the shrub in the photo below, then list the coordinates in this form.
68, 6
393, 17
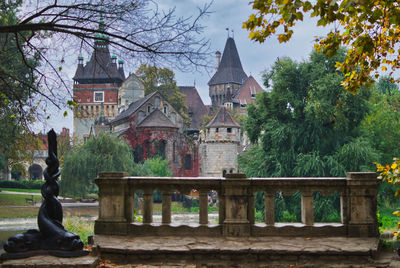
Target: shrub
21, 184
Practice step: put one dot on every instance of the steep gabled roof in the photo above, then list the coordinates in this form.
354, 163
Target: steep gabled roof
196, 107
100, 68
156, 119
230, 68
245, 92
223, 119
133, 107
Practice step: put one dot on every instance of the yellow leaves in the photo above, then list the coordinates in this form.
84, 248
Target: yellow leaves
397, 213
371, 30
390, 173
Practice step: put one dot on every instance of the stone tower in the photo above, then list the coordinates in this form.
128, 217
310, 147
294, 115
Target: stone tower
96, 84
229, 76
219, 145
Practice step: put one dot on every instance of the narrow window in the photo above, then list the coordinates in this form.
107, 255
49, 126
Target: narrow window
173, 151
161, 148
216, 130
148, 109
165, 109
188, 162
223, 173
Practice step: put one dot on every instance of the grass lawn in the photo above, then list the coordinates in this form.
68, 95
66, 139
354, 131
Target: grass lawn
176, 207
18, 212
387, 219
17, 199
21, 190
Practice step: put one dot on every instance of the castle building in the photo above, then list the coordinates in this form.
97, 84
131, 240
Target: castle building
219, 146
96, 85
107, 101
153, 127
230, 86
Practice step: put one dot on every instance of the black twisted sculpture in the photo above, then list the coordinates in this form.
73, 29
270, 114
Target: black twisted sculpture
51, 238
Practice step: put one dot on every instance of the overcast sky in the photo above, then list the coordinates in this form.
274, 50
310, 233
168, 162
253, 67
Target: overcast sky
255, 57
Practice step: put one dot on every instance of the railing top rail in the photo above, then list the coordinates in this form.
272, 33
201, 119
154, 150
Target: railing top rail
176, 178
251, 179
300, 179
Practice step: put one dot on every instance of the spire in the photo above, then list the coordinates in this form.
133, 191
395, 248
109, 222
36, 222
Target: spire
230, 69
102, 67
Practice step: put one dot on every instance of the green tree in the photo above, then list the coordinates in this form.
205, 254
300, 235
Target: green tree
382, 124
17, 84
369, 28
152, 167
163, 81
307, 125
102, 153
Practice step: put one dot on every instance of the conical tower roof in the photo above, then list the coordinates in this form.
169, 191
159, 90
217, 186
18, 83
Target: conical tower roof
223, 119
230, 69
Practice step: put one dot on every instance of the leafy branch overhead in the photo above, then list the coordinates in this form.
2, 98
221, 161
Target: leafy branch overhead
368, 28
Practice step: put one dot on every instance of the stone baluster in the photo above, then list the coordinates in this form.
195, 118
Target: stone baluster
166, 207
147, 206
203, 203
269, 199
307, 207
362, 189
113, 203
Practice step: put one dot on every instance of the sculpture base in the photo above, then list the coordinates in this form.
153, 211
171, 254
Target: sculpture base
56, 253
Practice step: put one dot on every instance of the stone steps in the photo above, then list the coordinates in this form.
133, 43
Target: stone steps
241, 251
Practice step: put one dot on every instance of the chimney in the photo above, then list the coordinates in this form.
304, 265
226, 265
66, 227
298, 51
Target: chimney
218, 58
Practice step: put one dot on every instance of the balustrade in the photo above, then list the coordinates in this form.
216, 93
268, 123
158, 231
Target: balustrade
236, 193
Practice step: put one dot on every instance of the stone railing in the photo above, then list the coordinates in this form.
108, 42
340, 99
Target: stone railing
358, 199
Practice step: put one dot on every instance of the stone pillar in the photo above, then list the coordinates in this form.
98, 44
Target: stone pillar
147, 206
113, 205
203, 207
166, 207
237, 195
269, 198
307, 208
362, 189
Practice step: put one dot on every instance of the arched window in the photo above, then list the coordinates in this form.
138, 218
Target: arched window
161, 148
223, 173
165, 109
